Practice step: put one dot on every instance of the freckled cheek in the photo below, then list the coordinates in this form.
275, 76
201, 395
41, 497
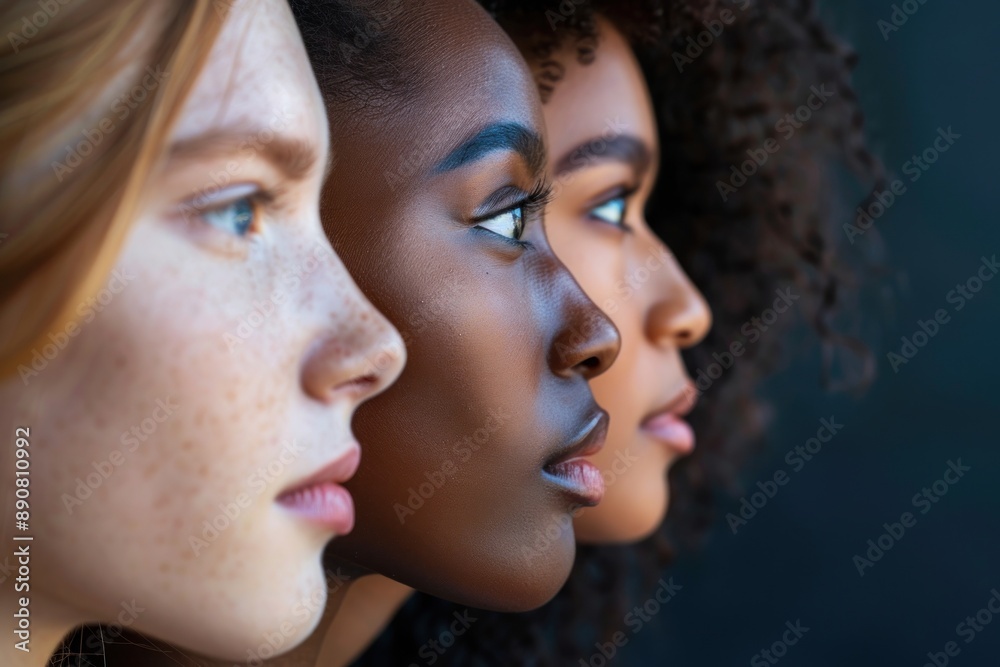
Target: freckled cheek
175, 472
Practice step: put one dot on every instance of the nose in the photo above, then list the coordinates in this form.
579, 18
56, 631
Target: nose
586, 342
357, 355
679, 316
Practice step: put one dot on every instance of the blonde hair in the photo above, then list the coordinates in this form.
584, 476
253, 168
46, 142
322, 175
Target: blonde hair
63, 227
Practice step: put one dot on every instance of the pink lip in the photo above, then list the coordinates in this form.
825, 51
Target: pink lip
672, 431
321, 499
668, 426
582, 478
573, 472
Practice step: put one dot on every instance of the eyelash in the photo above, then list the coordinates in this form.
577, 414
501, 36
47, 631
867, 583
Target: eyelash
257, 198
531, 206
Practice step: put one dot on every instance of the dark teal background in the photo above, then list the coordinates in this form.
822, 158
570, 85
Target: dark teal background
793, 560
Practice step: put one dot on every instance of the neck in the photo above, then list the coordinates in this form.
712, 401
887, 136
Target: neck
365, 612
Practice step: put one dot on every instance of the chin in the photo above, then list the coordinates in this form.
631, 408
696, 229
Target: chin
520, 595
625, 520
538, 571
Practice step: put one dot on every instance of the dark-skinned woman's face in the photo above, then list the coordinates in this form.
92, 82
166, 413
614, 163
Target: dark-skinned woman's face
471, 466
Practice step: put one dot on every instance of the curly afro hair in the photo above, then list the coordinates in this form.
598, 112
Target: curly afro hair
714, 99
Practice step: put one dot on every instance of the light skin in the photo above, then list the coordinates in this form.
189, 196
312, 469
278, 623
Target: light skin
501, 341
194, 414
629, 273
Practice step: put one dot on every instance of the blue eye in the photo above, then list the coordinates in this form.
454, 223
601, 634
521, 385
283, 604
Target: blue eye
611, 212
236, 217
509, 224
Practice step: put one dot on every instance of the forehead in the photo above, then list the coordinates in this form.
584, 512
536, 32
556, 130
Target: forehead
469, 75
606, 96
257, 75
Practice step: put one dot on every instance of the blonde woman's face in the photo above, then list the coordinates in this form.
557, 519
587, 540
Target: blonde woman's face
214, 375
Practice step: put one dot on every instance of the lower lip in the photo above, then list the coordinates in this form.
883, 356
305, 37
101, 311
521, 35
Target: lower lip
326, 503
672, 431
579, 477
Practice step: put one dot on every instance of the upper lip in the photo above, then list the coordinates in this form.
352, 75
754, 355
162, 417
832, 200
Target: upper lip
589, 441
337, 471
680, 405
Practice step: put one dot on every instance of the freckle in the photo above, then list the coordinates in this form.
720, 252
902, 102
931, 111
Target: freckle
187, 445
231, 394
203, 470
165, 567
199, 417
121, 361
150, 471
100, 422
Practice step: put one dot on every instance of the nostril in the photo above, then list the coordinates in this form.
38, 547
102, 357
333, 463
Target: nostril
358, 386
591, 363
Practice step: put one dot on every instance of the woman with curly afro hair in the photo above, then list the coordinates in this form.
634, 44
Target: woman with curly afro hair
712, 129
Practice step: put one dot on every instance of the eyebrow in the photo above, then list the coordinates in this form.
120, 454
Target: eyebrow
622, 148
294, 158
497, 137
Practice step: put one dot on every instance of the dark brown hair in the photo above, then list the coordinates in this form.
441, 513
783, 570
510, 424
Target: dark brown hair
722, 74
